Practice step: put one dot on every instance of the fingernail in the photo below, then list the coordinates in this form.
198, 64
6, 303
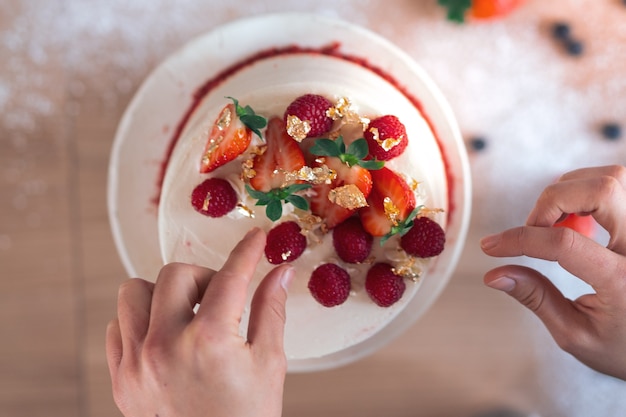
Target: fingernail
287, 277
491, 241
251, 232
505, 284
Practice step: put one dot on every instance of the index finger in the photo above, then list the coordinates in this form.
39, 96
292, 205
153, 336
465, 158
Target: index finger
596, 265
177, 290
602, 196
225, 298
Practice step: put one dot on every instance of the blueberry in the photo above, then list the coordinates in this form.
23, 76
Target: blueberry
561, 30
574, 47
612, 131
478, 143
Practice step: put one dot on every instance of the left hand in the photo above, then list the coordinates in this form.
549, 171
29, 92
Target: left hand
165, 360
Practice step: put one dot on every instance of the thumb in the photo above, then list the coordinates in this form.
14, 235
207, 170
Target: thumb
267, 312
538, 294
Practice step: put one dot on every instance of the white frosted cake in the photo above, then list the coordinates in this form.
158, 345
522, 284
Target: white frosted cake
358, 96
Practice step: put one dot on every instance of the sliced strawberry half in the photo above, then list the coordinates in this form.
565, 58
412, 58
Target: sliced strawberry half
331, 213
282, 155
386, 183
228, 139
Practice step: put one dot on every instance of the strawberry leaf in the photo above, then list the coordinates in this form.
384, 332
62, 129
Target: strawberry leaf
351, 156
248, 117
274, 210
359, 148
456, 9
273, 199
325, 147
403, 227
298, 202
372, 164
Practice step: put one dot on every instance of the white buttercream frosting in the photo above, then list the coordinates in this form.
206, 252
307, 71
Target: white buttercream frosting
268, 86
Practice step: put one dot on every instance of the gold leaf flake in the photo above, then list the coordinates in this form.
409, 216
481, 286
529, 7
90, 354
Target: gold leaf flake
296, 128
245, 210
205, 203
247, 171
408, 268
348, 196
391, 211
429, 212
315, 175
224, 119
386, 144
342, 110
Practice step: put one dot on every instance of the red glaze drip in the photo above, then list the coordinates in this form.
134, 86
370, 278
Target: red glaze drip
332, 50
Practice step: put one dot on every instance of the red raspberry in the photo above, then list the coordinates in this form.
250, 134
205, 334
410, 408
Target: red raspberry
425, 238
284, 243
215, 197
383, 285
311, 108
330, 285
352, 243
382, 129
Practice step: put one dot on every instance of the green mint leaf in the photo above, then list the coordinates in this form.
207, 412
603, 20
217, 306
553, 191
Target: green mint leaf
254, 121
274, 210
404, 226
348, 159
254, 193
372, 164
325, 147
358, 148
341, 144
456, 9
385, 238
294, 188
248, 117
298, 202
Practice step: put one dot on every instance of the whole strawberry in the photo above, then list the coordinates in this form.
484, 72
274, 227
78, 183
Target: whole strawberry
306, 117
386, 138
214, 197
425, 239
330, 285
352, 243
383, 286
285, 243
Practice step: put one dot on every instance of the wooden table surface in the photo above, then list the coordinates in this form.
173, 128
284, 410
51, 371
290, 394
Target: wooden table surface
68, 69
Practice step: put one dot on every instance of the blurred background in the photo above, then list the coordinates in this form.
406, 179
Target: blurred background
529, 107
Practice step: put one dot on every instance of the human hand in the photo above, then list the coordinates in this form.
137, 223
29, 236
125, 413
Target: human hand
165, 360
593, 327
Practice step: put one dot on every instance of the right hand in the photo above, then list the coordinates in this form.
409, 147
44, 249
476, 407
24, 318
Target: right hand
592, 327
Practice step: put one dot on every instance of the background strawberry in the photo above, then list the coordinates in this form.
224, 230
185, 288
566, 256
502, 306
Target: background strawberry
585, 225
459, 10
